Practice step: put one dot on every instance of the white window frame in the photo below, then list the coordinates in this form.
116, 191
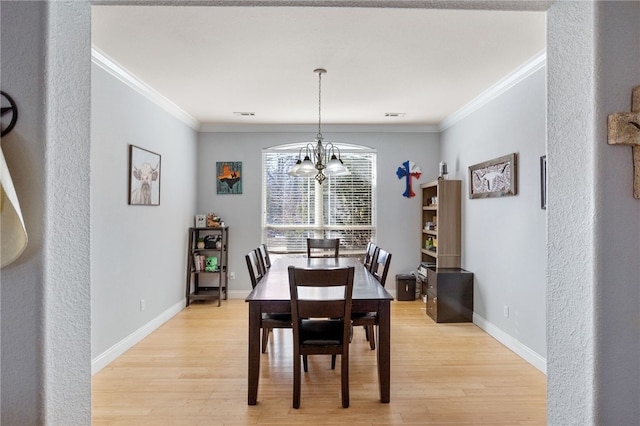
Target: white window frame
318, 229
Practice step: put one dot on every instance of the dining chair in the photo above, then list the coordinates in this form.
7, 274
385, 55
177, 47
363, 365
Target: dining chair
379, 270
321, 312
260, 261
323, 247
268, 321
368, 255
266, 260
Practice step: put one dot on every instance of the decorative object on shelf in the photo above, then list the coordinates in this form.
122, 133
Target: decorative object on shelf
543, 182
212, 264
201, 220
229, 177
493, 178
325, 163
624, 129
443, 170
14, 233
9, 113
408, 170
144, 177
200, 243
213, 221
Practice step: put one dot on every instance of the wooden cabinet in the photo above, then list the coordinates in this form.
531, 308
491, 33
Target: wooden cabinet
207, 260
441, 203
449, 294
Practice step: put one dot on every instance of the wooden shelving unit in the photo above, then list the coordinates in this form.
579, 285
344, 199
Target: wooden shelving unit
441, 204
203, 284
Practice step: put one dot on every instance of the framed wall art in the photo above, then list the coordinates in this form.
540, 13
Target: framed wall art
543, 182
229, 177
144, 177
494, 178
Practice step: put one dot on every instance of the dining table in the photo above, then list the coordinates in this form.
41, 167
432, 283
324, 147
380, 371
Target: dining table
272, 295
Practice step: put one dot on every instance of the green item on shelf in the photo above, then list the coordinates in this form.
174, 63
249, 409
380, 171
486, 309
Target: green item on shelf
212, 264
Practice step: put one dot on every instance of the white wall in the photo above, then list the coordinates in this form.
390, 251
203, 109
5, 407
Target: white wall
45, 369
398, 217
504, 239
593, 302
137, 252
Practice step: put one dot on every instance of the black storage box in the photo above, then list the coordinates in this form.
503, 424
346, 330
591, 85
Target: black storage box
405, 287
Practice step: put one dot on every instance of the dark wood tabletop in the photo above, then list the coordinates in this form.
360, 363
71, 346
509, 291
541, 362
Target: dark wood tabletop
275, 284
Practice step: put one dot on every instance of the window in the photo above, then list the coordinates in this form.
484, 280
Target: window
296, 208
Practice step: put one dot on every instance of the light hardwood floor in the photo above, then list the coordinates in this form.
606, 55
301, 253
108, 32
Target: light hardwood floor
193, 371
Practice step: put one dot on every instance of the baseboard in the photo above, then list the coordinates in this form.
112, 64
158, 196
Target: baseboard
102, 360
513, 344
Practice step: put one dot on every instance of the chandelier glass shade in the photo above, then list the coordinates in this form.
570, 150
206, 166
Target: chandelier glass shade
320, 159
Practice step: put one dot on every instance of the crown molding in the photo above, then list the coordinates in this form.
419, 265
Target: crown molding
516, 76
119, 72
313, 128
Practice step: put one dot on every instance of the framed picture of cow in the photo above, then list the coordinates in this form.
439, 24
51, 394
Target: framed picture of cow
144, 177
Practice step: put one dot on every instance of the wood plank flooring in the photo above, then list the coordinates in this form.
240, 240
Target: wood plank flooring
193, 371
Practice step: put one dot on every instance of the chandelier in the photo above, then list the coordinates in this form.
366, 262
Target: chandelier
325, 162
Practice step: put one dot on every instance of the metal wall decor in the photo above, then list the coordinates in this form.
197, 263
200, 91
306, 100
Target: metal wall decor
494, 178
9, 113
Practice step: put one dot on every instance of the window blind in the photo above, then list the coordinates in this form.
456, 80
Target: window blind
296, 208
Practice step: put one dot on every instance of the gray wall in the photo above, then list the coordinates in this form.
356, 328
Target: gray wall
504, 239
137, 252
398, 217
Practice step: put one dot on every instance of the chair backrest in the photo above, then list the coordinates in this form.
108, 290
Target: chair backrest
265, 256
369, 255
380, 266
261, 266
321, 293
255, 274
323, 247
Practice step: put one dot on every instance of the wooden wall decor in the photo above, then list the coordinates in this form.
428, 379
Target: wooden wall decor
624, 129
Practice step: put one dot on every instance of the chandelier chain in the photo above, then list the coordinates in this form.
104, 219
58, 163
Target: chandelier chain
319, 102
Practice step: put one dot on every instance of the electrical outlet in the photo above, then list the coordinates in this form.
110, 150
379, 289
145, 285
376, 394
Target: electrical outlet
142, 305
505, 311
232, 275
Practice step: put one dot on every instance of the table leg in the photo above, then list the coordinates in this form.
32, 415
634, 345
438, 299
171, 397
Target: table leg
384, 350
254, 352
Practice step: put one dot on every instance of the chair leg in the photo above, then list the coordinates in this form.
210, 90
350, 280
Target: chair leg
333, 362
296, 380
372, 336
305, 363
265, 338
345, 379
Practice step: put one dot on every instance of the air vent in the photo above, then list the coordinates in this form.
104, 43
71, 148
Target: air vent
244, 114
395, 114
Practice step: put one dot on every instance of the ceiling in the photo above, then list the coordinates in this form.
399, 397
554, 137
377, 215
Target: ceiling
215, 62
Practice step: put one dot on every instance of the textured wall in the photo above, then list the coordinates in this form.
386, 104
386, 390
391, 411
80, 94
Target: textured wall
45, 294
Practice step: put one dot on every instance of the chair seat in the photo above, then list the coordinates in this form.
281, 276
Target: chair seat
368, 320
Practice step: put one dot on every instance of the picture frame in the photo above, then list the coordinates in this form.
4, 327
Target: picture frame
200, 220
144, 177
229, 177
494, 178
543, 182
